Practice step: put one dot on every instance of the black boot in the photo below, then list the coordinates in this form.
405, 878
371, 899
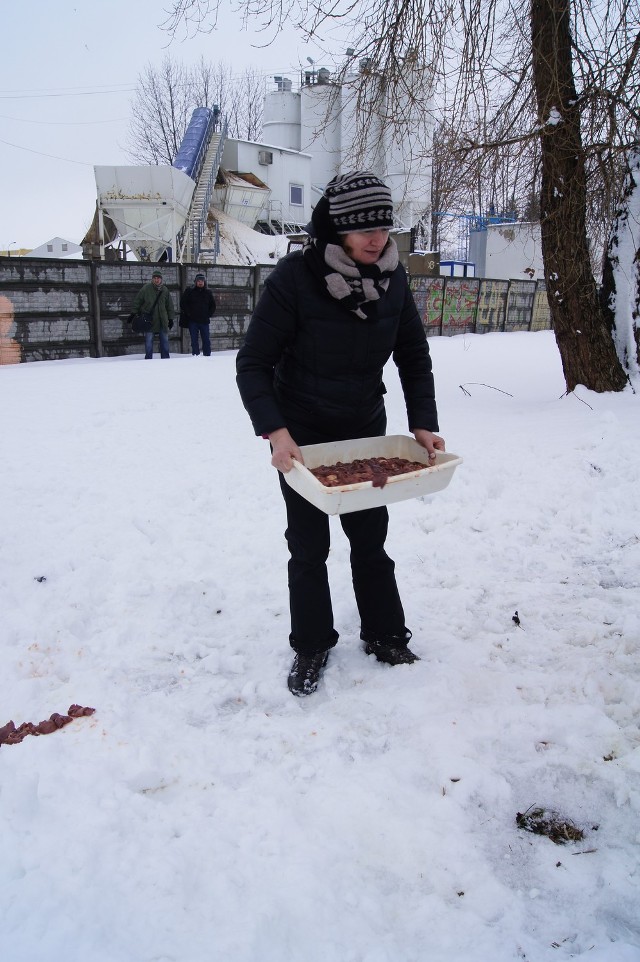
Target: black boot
390, 649
305, 673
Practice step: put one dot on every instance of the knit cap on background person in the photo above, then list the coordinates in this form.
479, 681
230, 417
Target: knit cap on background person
200, 277
356, 201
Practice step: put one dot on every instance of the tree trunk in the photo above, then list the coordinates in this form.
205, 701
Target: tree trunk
620, 294
583, 336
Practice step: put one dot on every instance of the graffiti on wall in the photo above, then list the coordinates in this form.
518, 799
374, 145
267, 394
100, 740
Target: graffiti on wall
459, 305
428, 295
463, 305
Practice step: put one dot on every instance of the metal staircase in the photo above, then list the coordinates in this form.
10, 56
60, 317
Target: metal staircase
190, 239
275, 222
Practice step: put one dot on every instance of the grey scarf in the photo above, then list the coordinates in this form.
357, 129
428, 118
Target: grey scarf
349, 283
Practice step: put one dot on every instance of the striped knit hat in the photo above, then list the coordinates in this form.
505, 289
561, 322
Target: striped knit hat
359, 201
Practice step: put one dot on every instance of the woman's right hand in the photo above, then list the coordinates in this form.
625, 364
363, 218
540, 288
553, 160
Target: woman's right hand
284, 449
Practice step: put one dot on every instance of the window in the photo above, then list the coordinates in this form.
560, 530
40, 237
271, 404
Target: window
65, 247
50, 248
295, 195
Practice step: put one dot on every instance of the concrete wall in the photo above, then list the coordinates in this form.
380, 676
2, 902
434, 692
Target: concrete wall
66, 309
59, 309
470, 305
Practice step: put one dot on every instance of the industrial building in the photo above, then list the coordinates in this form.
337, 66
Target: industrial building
309, 134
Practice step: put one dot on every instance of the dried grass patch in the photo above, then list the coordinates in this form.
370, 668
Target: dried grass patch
543, 821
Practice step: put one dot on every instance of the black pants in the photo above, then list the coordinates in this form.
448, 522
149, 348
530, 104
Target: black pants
372, 570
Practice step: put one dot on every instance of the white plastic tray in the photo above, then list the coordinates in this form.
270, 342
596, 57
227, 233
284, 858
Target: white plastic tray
357, 497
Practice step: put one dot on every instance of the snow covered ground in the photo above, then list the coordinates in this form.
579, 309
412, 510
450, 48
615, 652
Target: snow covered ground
203, 814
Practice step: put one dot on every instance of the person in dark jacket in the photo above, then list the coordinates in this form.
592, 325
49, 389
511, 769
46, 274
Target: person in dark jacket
155, 299
310, 371
197, 307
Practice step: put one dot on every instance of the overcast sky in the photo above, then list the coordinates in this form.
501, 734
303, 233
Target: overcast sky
67, 76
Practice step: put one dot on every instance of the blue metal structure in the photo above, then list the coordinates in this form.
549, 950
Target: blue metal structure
194, 144
193, 160
473, 222
479, 221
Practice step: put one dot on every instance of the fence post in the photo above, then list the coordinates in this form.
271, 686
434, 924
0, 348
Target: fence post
475, 312
533, 304
95, 319
182, 279
256, 286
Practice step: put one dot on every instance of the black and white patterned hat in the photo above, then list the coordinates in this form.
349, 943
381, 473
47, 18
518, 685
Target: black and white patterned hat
359, 201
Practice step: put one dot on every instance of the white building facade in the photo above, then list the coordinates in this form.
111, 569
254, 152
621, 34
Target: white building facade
285, 172
510, 251
57, 247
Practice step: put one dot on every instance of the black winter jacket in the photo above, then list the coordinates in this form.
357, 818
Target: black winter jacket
308, 361
197, 306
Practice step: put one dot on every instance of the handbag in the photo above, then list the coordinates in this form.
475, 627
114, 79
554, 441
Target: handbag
143, 322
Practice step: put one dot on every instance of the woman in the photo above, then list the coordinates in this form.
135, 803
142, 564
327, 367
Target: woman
310, 371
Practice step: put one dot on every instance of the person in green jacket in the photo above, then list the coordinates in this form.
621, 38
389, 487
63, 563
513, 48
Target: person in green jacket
155, 299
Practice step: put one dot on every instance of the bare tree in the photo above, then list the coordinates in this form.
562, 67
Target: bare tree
241, 98
474, 186
165, 98
567, 79
253, 84
448, 185
161, 109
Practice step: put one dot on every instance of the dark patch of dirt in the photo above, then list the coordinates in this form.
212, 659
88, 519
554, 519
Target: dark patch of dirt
542, 821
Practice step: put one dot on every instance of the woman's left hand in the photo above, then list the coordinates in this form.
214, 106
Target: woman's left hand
430, 441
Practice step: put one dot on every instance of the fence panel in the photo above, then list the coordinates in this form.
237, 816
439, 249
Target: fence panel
44, 308
428, 293
541, 315
459, 305
520, 305
492, 306
117, 285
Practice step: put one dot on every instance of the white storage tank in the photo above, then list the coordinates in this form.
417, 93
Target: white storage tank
362, 144
320, 123
281, 121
